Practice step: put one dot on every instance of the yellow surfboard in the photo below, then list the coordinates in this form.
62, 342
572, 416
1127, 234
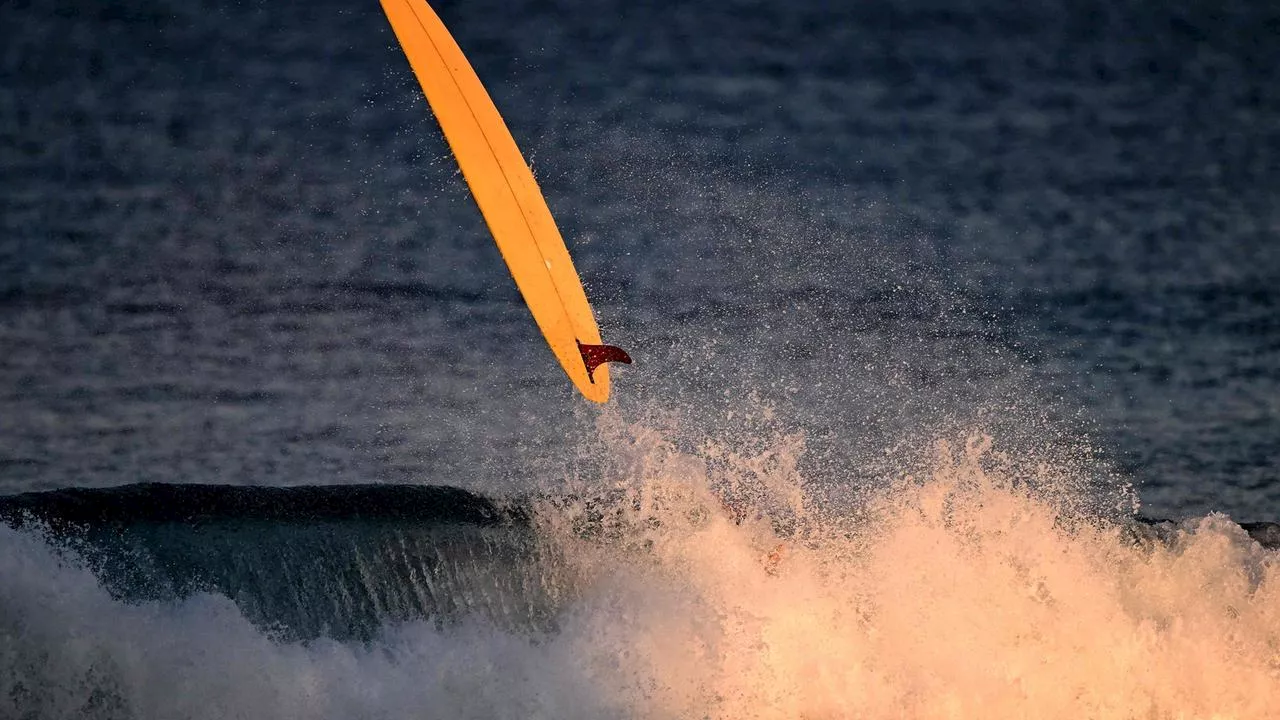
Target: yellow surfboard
504, 188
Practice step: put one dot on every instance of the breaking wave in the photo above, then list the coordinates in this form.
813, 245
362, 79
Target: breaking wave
666, 583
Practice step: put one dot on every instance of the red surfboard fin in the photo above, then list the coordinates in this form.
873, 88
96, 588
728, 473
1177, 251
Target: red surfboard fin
593, 356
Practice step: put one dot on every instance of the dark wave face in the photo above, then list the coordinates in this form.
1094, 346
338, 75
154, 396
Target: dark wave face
346, 562
304, 562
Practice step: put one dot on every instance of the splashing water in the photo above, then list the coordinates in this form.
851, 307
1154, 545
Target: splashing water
968, 593
709, 584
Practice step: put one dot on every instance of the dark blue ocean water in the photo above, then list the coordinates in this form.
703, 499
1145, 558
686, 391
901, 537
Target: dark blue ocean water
235, 249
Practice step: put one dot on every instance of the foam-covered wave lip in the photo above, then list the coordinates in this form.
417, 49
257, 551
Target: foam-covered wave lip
84, 509
347, 561
1144, 529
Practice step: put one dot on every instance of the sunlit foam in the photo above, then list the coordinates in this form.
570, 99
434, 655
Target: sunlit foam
967, 593
707, 583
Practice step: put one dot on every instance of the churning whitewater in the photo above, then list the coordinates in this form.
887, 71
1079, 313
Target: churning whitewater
670, 584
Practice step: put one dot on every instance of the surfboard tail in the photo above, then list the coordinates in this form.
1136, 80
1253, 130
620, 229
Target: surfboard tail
593, 356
